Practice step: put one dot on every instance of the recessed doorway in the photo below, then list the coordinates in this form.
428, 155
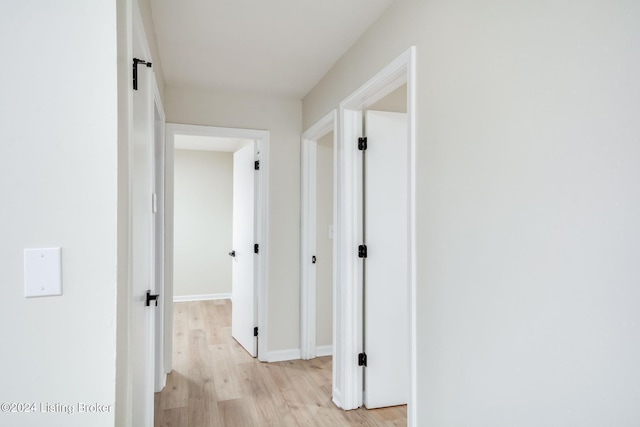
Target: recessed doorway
227, 148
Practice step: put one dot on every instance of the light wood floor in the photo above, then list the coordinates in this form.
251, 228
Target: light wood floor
216, 383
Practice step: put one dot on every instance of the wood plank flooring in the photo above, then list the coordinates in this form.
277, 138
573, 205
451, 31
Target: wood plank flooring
216, 383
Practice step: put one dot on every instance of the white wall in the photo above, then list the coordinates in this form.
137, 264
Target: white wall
282, 118
203, 211
124, 404
527, 204
324, 244
58, 161
395, 102
150, 34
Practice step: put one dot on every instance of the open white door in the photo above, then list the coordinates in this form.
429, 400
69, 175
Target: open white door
142, 231
244, 306
386, 319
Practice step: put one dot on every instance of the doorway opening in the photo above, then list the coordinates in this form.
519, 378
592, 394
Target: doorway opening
317, 332
354, 227
192, 148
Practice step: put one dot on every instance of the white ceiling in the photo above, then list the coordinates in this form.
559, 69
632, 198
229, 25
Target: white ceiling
277, 47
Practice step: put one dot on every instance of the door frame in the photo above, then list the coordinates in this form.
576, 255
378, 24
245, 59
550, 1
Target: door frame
309, 179
348, 313
139, 42
159, 235
262, 225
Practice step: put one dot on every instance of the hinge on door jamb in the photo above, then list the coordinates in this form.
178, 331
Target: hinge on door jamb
362, 359
256, 165
137, 62
255, 331
362, 143
256, 248
362, 251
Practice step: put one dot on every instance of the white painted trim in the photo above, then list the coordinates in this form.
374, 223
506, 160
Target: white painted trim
262, 266
204, 297
149, 381
283, 355
336, 397
161, 312
412, 407
308, 312
322, 127
336, 386
348, 315
262, 273
308, 230
324, 350
218, 132
168, 249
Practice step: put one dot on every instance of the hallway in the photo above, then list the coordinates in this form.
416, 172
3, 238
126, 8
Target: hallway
216, 383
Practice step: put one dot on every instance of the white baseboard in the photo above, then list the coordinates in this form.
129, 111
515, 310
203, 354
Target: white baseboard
324, 350
294, 353
282, 355
205, 297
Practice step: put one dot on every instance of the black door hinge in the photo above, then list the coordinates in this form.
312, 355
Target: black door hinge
150, 298
362, 143
137, 62
256, 248
255, 331
362, 359
362, 251
256, 165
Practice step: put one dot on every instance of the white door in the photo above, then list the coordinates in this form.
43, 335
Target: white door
142, 245
244, 306
386, 307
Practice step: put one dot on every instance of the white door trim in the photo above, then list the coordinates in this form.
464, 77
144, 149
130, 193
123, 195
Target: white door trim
142, 414
348, 315
308, 233
167, 302
160, 244
262, 205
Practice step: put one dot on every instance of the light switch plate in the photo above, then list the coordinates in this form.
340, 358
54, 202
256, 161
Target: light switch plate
42, 272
